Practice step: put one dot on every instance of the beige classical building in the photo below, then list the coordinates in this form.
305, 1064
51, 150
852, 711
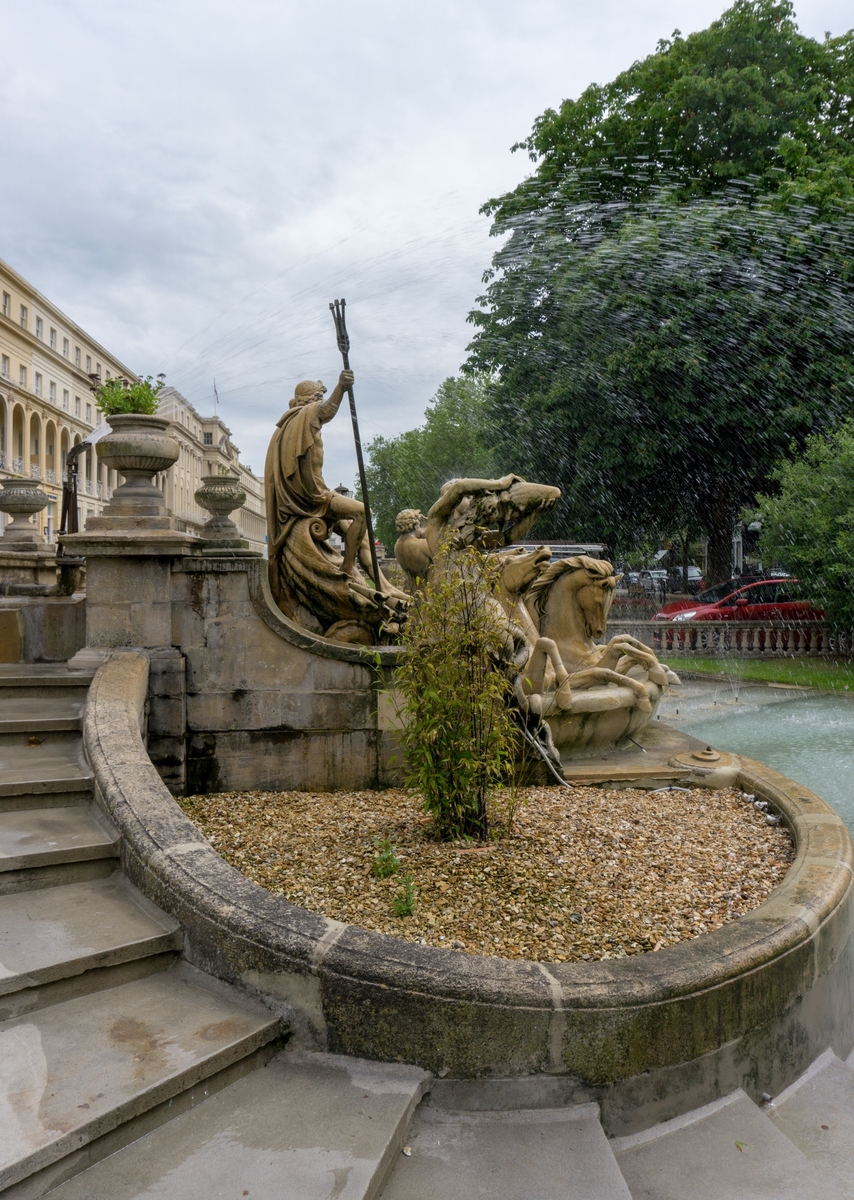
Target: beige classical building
207, 449
46, 402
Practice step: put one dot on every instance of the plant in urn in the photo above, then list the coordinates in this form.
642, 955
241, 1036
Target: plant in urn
138, 447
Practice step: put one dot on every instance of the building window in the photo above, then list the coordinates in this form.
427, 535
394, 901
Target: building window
53, 339
38, 387
89, 413
39, 328
108, 375
65, 347
23, 316
98, 417
88, 364
65, 399
4, 366
7, 303
98, 369
77, 356
52, 392
208, 438
22, 376
77, 406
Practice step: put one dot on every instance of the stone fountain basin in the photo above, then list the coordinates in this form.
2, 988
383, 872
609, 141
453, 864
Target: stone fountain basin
651, 1036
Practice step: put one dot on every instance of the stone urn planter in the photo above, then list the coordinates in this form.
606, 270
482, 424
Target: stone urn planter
138, 447
221, 495
20, 498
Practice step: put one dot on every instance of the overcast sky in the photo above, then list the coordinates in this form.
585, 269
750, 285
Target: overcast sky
193, 181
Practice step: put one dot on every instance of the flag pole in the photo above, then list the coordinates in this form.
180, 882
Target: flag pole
337, 309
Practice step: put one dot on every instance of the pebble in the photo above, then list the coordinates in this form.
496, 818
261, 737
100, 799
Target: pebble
583, 874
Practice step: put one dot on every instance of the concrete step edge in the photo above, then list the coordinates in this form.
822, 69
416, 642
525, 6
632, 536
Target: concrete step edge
76, 782
103, 842
165, 935
12, 725
619, 1144
815, 1068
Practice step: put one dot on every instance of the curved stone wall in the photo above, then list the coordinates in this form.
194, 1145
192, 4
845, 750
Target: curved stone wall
749, 1005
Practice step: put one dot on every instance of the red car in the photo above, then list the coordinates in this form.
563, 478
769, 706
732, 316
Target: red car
739, 600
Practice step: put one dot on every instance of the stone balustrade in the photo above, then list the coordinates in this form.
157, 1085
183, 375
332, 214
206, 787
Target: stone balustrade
752, 639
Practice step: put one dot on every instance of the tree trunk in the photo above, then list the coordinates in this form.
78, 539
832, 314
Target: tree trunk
718, 522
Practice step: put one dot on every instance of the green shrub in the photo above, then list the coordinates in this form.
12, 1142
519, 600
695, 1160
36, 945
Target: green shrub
123, 396
458, 736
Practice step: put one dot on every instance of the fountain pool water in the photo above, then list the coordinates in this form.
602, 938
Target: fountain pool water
806, 735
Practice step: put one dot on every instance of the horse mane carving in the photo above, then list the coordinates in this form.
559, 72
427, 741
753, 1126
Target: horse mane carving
596, 568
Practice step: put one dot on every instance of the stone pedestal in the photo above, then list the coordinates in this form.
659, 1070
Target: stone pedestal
128, 587
27, 565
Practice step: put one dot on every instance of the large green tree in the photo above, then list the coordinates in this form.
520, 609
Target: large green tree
748, 98
808, 525
668, 313
658, 375
408, 471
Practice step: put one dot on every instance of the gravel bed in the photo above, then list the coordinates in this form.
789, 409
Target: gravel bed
586, 873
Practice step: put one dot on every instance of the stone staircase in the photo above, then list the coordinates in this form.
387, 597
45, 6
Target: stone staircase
127, 1074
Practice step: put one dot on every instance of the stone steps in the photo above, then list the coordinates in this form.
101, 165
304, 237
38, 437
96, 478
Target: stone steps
535, 1154
104, 1033
817, 1114
42, 847
727, 1150
39, 714
51, 933
308, 1126
41, 769
21, 680
79, 1070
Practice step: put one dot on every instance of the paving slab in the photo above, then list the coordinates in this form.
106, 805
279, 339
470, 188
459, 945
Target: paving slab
538, 1154
44, 836
727, 1150
306, 1126
54, 932
817, 1114
78, 1070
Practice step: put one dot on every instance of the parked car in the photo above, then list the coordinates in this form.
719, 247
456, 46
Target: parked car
653, 581
737, 600
694, 583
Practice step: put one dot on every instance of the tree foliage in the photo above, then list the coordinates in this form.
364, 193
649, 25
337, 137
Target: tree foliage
657, 369
808, 526
408, 471
667, 313
748, 98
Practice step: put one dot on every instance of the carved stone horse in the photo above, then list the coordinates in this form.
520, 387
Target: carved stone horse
569, 604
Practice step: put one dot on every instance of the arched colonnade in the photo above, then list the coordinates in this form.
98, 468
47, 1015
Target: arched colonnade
35, 444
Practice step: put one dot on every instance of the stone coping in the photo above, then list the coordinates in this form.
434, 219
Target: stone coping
649, 1036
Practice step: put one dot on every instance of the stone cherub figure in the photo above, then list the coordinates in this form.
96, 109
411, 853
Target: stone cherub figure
311, 582
411, 549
